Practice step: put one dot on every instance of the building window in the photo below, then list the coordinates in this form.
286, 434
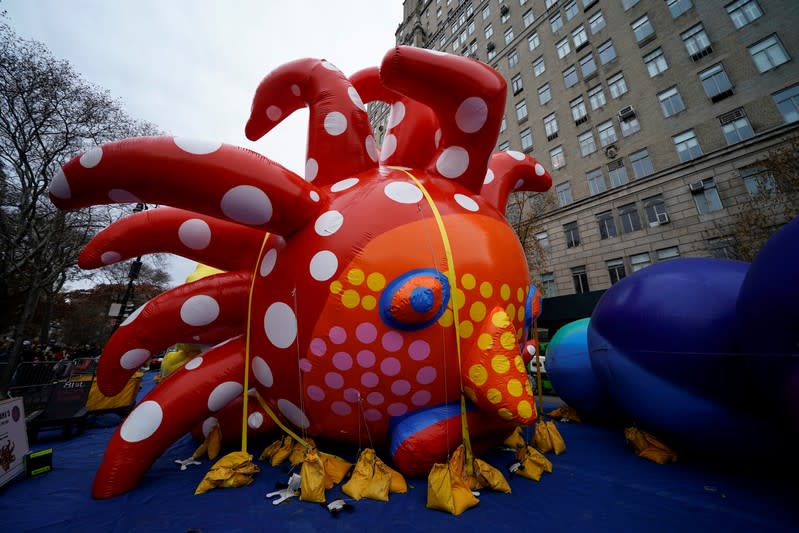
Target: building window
597, 97
617, 85
543, 242
607, 225
716, 83
579, 113
505, 16
630, 220
551, 126
629, 125
526, 138
471, 27
528, 18
538, 66
723, 248
521, 110
696, 42
759, 182
489, 31
564, 194
678, 7
570, 76
596, 22
706, 196
579, 37
571, 10
655, 62
473, 48
556, 22
509, 35
587, 144
532, 41
735, 126
544, 94
504, 146
642, 165
655, 210
617, 173
670, 102
559, 160
642, 29
667, 253
787, 102
607, 133
587, 65
548, 287
503, 125
616, 270
580, 278
596, 181
516, 84
627, 4
687, 146
563, 47
639, 262
768, 53
743, 12
492, 52
513, 59
606, 52
572, 234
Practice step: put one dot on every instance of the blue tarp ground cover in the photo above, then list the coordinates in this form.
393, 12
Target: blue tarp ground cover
597, 485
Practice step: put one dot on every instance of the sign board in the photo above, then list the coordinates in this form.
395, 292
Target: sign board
115, 309
13, 439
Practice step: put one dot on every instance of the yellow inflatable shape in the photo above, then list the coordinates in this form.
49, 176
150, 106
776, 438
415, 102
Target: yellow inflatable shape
202, 271
175, 359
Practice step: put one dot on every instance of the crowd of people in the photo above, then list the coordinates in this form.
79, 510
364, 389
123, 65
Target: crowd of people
35, 352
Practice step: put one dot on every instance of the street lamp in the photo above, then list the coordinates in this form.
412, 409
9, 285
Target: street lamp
133, 274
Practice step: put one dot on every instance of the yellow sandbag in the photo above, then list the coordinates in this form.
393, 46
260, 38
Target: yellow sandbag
541, 439
201, 450
446, 492
516, 439
270, 450
237, 480
565, 413
379, 486
283, 452
490, 477
558, 444
649, 447
312, 478
367, 479
233, 470
636, 439
335, 468
214, 442
533, 463
398, 484
298, 451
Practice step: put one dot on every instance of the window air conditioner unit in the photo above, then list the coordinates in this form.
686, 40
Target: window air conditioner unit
663, 218
696, 187
626, 112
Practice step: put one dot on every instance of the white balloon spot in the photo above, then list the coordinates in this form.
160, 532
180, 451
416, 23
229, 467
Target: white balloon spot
142, 422
539, 170
133, 316
195, 234
223, 394
199, 310
452, 162
293, 413
471, 114
197, 146
466, 202
371, 147
323, 265
59, 187
311, 169
518, 156
489, 177
403, 192
122, 196
330, 66
194, 363
247, 204
335, 123
396, 115
389, 145
91, 158
273, 113
343, 185
255, 420
280, 325
328, 223
268, 262
262, 372
295, 90
133, 359
208, 425
110, 257
314, 196
356, 98
437, 138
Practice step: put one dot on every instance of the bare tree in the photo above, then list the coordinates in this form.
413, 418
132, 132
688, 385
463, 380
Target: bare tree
524, 213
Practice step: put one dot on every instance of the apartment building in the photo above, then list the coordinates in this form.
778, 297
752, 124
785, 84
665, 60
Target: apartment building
651, 116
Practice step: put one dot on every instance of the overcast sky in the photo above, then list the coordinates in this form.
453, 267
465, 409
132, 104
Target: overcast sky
191, 66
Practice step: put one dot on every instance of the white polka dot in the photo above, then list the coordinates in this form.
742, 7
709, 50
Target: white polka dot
437, 138
197, 147
208, 425
452, 162
343, 185
91, 158
489, 177
371, 147
133, 316
122, 196
268, 262
466, 202
328, 223
262, 372
335, 123
356, 98
247, 204
530, 349
295, 90
314, 196
199, 310
223, 394
471, 114
273, 113
323, 265
403, 192
293, 413
518, 156
396, 115
60, 188
142, 422
133, 359
195, 234
311, 169
110, 257
255, 420
389, 146
539, 170
329, 66
194, 363
280, 324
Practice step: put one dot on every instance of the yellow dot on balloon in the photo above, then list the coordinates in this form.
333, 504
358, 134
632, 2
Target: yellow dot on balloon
525, 409
336, 287
468, 282
494, 396
500, 319
515, 388
520, 314
519, 363
355, 276
505, 413
484, 341
520, 294
507, 340
486, 290
511, 310
459, 298
446, 319
350, 299
500, 364
528, 388
478, 374
376, 281
466, 329
504, 291
477, 311
368, 302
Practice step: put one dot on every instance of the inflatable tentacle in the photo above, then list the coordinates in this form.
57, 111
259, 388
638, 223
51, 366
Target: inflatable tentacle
512, 171
469, 99
204, 310
200, 238
225, 182
340, 140
410, 138
229, 420
204, 386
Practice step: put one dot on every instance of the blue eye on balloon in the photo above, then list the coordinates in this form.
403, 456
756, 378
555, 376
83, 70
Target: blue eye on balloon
414, 300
